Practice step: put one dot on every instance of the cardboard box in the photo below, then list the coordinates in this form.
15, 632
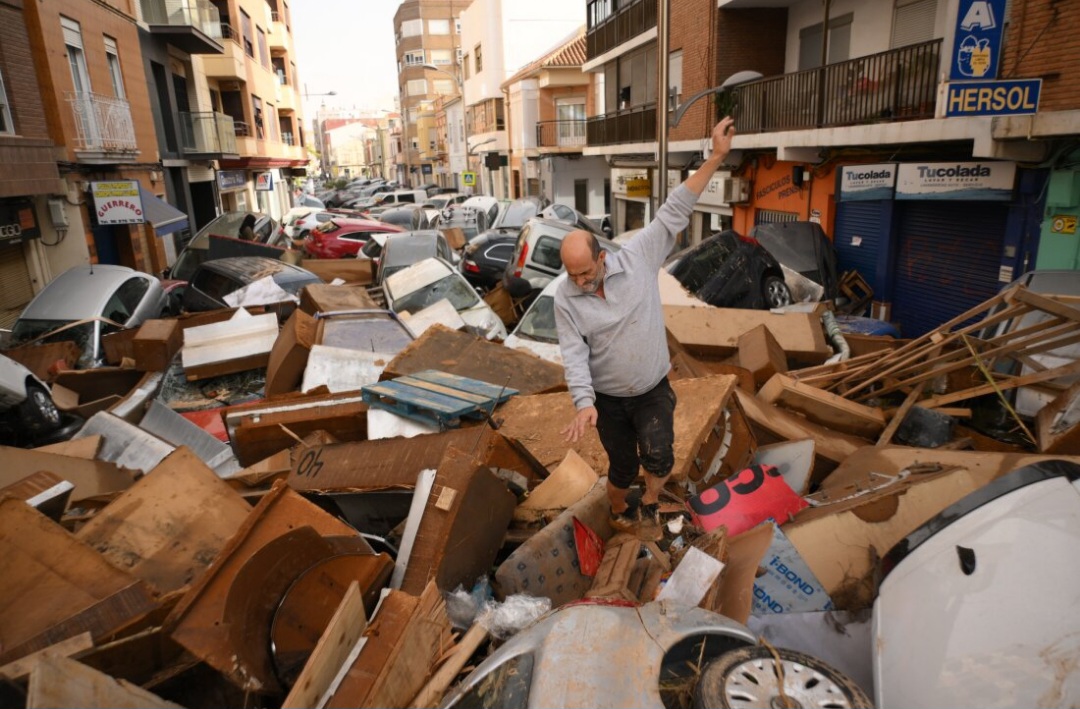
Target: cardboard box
156, 343
503, 305
350, 270
289, 356
322, 298
716, 331
761, 354
455, 236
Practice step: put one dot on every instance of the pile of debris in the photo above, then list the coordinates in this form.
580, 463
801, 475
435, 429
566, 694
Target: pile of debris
280, 506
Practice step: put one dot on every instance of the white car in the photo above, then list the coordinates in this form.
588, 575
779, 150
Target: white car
536, 330
433, 279
301, 220
25, 399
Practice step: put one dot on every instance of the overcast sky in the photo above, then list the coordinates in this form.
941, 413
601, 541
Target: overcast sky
346, 46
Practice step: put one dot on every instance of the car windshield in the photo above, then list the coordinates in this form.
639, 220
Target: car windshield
539, 322
374, 333
516, 215
399, 217
453, 287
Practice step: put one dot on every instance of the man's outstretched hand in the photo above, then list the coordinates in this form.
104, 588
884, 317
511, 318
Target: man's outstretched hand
585, 419
722, 135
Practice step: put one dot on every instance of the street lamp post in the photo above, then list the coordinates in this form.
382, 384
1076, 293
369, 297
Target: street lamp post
456, 76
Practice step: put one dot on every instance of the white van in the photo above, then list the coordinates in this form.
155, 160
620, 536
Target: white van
403, 197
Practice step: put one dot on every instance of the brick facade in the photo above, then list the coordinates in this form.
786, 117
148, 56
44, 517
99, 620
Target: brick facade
1041, 43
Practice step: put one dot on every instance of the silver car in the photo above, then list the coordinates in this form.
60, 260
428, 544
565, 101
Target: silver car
86, 302
25, 398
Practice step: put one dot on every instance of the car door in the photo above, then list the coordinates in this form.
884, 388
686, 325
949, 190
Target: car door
544, 259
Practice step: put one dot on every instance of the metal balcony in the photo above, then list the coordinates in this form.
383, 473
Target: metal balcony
191, 25
612, 22
632, 125
102, 123
208, 135
561, 134
900, 84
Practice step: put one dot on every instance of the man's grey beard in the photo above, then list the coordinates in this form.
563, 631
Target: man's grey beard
594, 285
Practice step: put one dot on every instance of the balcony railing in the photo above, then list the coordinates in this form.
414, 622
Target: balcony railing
287, 138
207, 133
231, 33
183, 13
900, 84
633, 125
612, 22
102, 122
242, 129
561, 134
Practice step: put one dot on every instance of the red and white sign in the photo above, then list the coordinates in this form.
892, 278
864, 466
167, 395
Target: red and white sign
745, 500
118, 202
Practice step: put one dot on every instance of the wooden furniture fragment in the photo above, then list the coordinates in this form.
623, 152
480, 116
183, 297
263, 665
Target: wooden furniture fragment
63, 682
432, 396
43, 561
822, 407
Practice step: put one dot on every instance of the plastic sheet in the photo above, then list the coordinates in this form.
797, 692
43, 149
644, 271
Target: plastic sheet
517, 612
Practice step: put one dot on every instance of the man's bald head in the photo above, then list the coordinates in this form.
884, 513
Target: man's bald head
583, 259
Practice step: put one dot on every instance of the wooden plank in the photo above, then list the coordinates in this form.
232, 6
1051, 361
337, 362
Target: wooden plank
717, 330
898, 416
463, 395
404, 394
823, 407
345, 629
1057, 423
1003, 385
63, 682
477, 386
20, 669
84, 448
433, 691
83, 591
1048, 304
92, 478
170, 525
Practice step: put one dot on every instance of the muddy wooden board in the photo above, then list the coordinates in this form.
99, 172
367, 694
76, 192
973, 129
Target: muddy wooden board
324, 298
470, 356
717, 331
405, 638
822, 407
394, 463
772, 424
350, 270
92, 478
537, 421
84, 591
63, 682
20, 669
169, 526
260, 430
206, 620
463, 525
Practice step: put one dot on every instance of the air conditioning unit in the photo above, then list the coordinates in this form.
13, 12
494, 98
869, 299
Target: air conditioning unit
736, 190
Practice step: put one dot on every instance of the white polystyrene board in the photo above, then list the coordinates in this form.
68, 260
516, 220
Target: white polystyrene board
386, 424
341, 369
692, 578
673, 293
794, 460
788, 585
261, 292
421, 492
441, 313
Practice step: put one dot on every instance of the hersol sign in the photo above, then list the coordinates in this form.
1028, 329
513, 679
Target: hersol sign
117, 202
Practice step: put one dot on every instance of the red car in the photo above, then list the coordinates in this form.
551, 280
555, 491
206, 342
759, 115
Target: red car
343, 237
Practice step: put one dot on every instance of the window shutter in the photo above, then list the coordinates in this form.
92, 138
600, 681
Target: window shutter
913, 22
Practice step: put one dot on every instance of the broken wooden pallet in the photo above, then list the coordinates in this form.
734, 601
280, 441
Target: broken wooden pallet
436, 396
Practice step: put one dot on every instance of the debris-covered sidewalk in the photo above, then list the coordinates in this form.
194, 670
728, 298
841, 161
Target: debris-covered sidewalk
322, 504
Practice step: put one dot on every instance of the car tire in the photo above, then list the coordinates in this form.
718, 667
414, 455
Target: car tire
38, 411
746, 677
776, 292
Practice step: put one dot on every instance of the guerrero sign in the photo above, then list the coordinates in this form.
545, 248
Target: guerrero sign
118, 202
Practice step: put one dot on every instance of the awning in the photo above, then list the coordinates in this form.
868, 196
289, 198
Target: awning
164, 217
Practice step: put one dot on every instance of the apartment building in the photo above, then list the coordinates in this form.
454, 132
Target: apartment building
98, 114
867, 121
429, 51
499, 37
191, 136
31, 190
254, 82
549, 100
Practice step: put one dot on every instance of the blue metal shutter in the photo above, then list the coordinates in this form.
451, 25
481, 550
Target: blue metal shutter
858, 240
947, 261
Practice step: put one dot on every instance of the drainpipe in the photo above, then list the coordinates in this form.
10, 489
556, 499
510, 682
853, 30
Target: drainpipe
509, 140
662, 100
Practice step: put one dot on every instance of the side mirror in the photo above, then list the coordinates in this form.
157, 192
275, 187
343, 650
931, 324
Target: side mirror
518, 287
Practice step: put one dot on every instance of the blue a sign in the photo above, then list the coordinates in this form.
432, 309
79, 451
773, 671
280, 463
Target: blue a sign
231, 180
993, 98
977, 40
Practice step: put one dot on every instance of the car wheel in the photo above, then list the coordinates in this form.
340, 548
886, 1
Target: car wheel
39, 413
746, 677
776, 292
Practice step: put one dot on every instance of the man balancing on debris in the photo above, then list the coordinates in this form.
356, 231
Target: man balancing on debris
614, 346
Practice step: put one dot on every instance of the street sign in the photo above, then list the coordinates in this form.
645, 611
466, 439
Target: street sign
468, 179
118, 202
977, 39
993, 98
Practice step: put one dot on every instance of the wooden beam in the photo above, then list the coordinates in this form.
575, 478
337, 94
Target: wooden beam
1013, 383
433, 691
